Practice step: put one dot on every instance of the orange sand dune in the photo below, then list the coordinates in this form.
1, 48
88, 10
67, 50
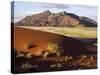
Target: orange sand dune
34, 41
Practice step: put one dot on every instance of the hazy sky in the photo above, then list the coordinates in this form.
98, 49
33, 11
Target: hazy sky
22, 9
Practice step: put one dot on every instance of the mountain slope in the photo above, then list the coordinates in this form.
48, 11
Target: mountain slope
62, 19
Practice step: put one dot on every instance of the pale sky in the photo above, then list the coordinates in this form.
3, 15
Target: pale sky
22, 9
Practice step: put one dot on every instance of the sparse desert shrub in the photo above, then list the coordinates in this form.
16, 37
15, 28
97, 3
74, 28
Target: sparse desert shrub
55, 48
28, 55
45, 54
19, 54
83, 57
22, 54
68, 58
57, 65
27, 66
52, 65
92, 58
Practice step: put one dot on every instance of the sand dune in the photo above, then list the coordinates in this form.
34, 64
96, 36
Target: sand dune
35, 41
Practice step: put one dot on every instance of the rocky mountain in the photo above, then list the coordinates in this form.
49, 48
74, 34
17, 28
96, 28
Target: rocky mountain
62, 19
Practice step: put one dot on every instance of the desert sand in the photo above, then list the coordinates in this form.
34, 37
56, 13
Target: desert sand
35, 41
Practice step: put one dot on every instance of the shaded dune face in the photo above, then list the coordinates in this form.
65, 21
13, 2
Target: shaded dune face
35, 42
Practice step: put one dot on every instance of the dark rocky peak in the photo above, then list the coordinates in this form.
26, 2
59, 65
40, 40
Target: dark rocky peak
63, 13
46, 12
73, 16
87, 19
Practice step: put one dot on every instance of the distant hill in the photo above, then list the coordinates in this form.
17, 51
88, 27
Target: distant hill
61, 19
